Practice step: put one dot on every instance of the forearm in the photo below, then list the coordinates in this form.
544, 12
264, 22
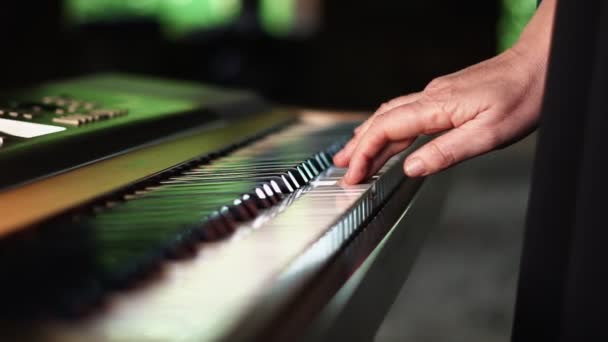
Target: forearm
534, 42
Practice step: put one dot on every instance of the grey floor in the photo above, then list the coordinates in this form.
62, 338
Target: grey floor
462, 287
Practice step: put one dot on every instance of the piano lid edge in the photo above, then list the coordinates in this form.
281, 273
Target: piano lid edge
40, 200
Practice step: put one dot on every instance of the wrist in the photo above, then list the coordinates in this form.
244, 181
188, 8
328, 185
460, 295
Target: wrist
534, 44
531, 58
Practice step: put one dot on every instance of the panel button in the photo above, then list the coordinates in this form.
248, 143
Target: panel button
67, 120
109, 113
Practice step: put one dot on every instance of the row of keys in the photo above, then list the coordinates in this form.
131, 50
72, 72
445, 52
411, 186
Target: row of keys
59, 105
266, 194
48, 105
230, 193
68, 111
267, 191
209, 199
274, 184
93, 116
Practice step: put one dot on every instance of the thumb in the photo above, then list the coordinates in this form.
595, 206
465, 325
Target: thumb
449, 149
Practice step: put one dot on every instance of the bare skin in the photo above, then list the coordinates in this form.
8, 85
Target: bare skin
477, 110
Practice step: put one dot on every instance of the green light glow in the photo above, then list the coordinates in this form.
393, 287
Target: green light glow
278, 16
82, 11
183, 16
178, 17
514, 17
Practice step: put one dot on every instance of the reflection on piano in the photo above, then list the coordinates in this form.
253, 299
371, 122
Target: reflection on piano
231, 223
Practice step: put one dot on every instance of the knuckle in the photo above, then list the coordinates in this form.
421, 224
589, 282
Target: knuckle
394, 102
378, 120
384, 107
435, 116
375, 136
439, 91
437, 84
436, 99
377, 133
436, 121
441, 106
444, 156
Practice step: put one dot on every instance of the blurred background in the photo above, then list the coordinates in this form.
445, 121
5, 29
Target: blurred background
321, 53
340, 54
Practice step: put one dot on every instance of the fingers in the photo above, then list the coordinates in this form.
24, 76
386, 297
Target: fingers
405, 122
451, 148
390, 105
389, 151
342, 158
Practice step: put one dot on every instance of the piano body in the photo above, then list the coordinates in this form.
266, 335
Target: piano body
140, 209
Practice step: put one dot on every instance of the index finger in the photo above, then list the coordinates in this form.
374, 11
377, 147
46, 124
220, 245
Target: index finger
343, 157
385, 107
404, 122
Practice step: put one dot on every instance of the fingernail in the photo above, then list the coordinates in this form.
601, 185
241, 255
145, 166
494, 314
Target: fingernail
415, 168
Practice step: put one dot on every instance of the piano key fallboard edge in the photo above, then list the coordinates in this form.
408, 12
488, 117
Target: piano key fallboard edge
34, 202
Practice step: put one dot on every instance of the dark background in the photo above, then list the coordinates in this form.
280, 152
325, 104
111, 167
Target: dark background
364, 53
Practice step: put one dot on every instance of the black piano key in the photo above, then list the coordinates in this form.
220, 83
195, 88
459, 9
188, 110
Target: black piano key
239, 211
322, 160
183, 245
248, 202
296, 178
282, 184
211, 228
315, 167
258, 197
229, 218
305, 174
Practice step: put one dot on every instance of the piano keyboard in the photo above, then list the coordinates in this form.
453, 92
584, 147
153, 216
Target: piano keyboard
262, 210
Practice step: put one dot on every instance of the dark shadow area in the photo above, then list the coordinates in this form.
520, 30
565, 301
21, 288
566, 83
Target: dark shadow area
363, 53
462, 287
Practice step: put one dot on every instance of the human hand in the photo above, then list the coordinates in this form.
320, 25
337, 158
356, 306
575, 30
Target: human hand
478, 109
